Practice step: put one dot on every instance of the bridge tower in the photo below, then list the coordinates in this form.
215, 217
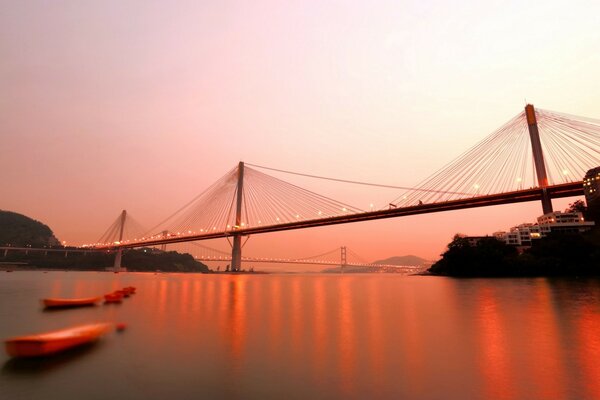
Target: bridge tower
538, 157
117, 265
236, 251
163, 246
344, 260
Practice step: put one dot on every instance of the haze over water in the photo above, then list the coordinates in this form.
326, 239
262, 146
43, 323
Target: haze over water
311, 336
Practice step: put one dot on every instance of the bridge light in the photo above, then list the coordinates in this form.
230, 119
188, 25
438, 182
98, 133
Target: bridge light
243, 224
319, 213
476, 186
260, 222
519, 179
565, 172
277, 218
344, 209
297, 216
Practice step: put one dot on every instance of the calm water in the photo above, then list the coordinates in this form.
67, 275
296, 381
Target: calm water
310, 337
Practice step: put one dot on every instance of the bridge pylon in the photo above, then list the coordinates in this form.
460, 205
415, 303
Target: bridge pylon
538, 157
236, 250
163, 246
344, 259
117, 265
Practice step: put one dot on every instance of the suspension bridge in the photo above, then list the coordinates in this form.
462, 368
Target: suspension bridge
341, 256
538, 155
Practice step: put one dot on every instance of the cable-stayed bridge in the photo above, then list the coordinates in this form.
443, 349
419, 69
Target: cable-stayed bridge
536, 156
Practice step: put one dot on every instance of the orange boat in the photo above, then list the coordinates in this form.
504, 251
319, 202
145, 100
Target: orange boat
48, 343
56, 302
113, 298
129, 290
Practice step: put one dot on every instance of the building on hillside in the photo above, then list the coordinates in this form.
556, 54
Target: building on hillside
563, 222
554, 222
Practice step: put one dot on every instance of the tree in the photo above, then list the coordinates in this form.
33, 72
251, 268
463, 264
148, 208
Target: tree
577, 206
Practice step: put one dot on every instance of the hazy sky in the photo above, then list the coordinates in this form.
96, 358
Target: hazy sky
141, 105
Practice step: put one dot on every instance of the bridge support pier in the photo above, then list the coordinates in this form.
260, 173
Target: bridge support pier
5, 252
236, 250
117, 264
163, 247
538, 157
236, 254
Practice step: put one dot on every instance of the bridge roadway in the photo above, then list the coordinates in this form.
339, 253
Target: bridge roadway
52, 249
519, 196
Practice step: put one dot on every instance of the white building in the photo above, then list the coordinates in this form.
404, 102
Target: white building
554, 222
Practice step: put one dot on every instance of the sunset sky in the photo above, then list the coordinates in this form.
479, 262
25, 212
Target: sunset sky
138, 105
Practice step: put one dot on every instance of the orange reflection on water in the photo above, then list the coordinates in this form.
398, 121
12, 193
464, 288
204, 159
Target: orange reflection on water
236, 327
376, 336
319, 343
296, 314
162, 297
547, 370
413, 346
588, 335
347, 337
494, 360
275, 318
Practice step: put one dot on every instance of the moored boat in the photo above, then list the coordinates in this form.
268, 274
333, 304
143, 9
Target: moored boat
60, 302
129, 290
48, 343
122, 293
113, 298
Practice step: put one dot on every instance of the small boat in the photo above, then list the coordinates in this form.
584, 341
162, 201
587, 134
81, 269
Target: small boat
122, 293
113, 298
56, 302
48, 343
129, 290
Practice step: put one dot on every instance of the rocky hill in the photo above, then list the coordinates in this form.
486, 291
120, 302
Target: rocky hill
18, 230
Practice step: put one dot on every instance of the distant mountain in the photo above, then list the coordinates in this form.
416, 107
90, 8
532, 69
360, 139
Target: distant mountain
409, 260
18, 230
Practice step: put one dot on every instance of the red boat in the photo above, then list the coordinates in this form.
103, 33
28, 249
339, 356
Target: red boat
129, 290
113, 298
44, 344
56, 302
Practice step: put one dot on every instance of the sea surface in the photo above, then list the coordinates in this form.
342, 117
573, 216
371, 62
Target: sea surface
313, 336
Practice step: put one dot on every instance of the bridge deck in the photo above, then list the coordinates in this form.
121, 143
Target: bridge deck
520, 196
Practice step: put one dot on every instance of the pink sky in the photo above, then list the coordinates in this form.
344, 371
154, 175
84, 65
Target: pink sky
112, 105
